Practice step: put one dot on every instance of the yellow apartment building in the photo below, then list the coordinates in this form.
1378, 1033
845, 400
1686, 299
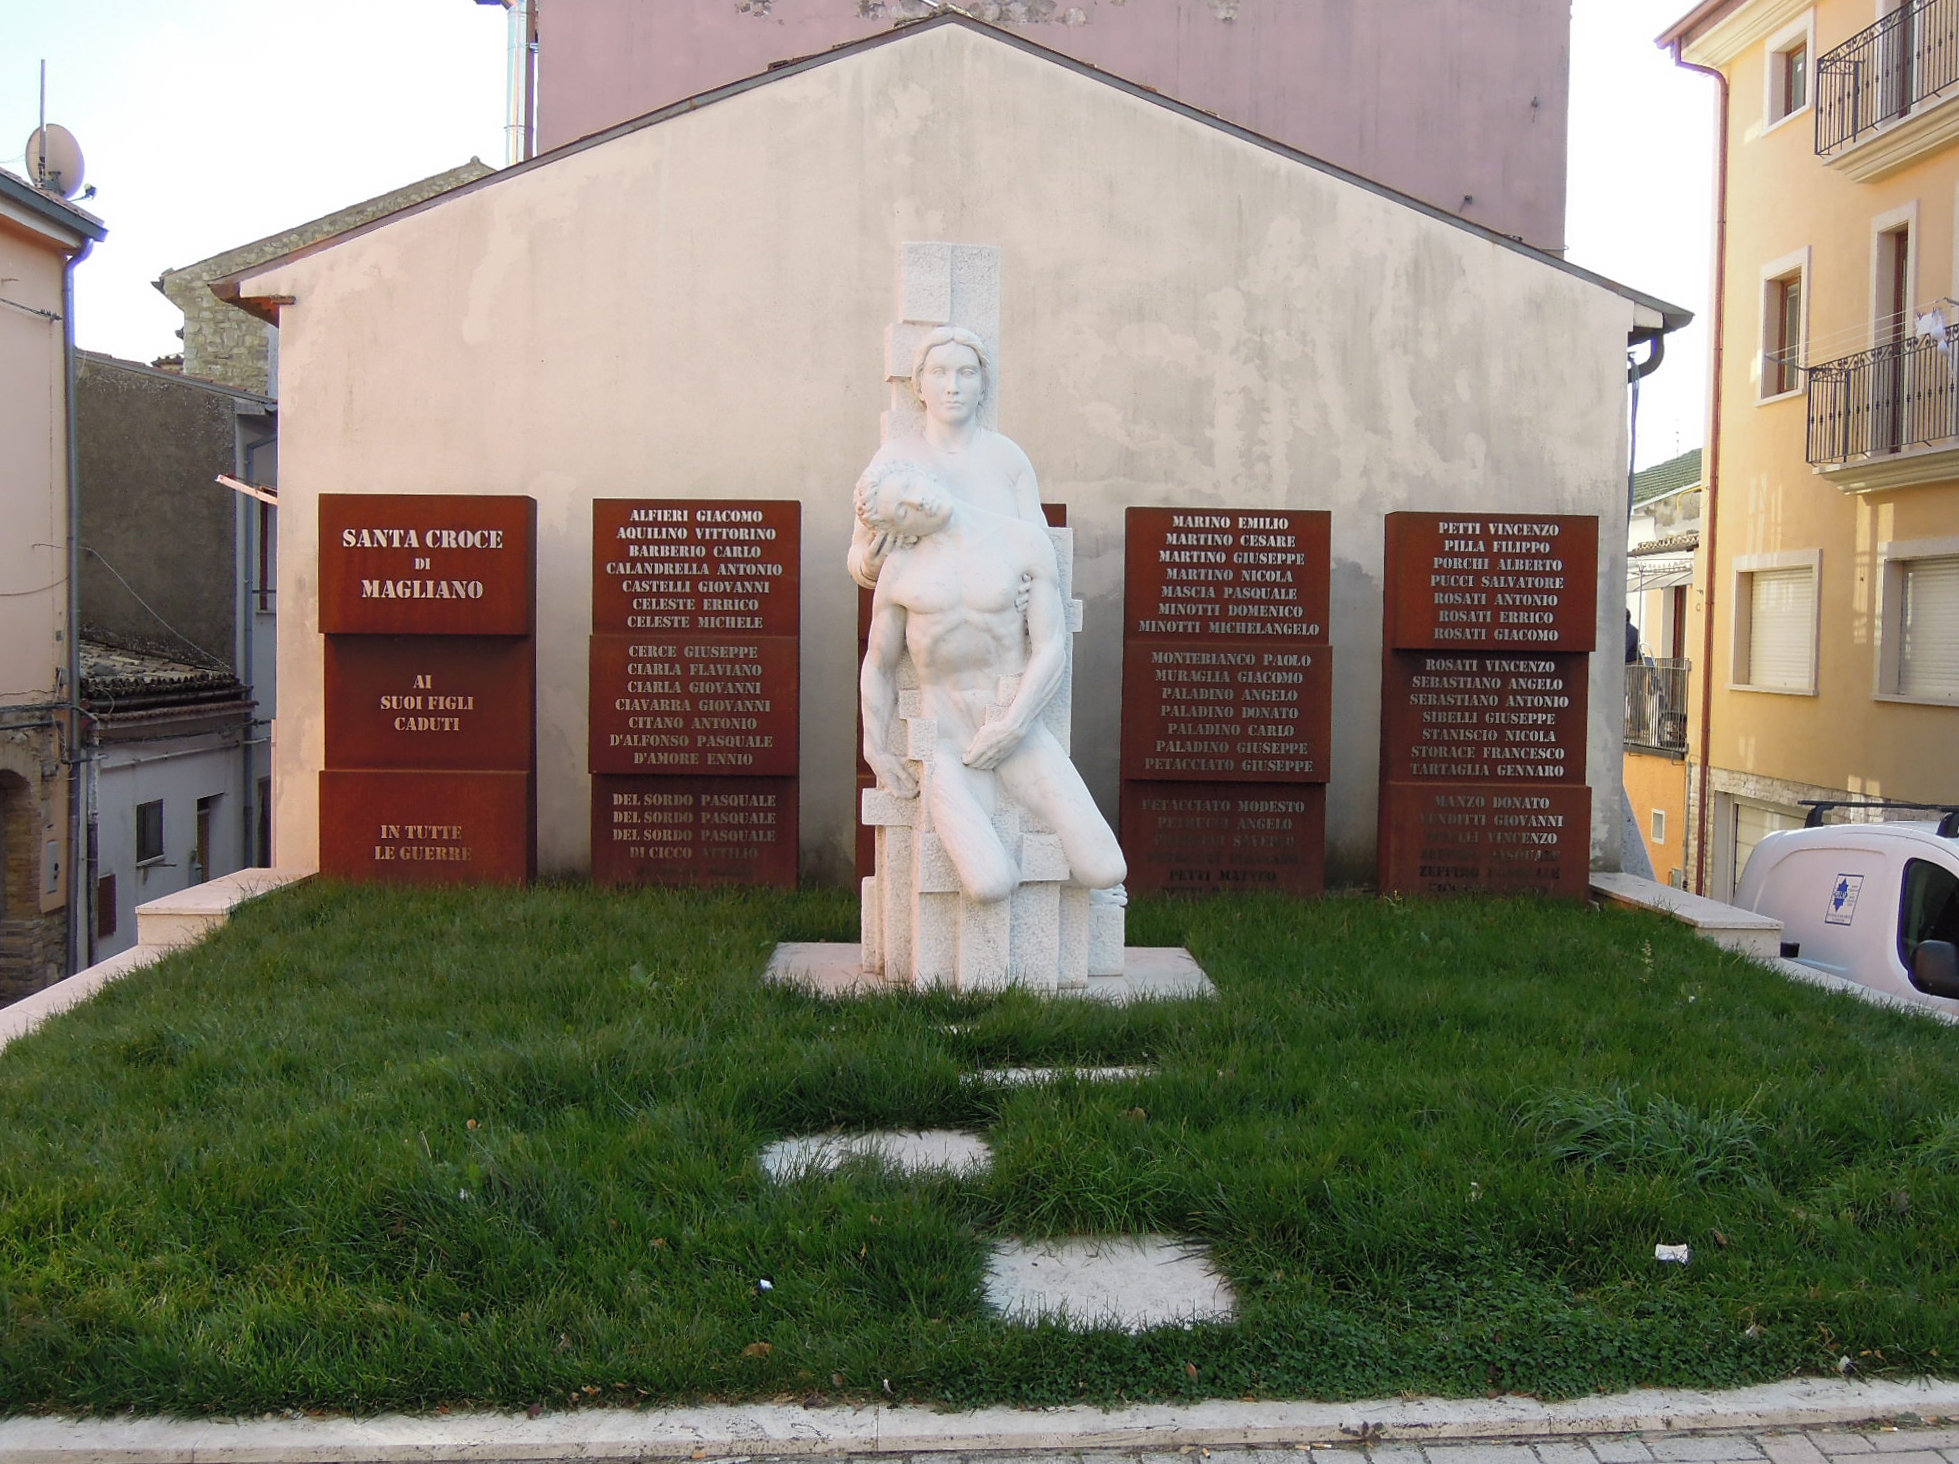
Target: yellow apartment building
1824, 622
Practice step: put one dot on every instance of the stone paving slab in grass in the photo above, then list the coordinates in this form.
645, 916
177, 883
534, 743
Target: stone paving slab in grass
920, 1151
1131, 1282
1022, 1077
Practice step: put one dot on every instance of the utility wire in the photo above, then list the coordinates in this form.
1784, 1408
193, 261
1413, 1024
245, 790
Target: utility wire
215, 660
30, 309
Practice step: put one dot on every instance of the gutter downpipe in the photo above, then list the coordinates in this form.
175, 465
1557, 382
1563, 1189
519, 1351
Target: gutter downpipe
79, 924
530, 80
1711, 486
1633, 858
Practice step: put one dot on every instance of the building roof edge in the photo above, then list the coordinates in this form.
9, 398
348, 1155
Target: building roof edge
1673, 317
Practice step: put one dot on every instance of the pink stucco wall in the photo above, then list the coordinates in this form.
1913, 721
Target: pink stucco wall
1459, 102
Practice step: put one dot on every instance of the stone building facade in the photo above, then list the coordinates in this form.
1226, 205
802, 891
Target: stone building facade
224, 344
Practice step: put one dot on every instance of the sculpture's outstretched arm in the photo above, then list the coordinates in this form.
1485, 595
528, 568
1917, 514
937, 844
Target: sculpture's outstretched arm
877, 689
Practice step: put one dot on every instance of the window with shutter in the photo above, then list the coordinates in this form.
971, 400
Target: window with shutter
1928, 628
1782, 629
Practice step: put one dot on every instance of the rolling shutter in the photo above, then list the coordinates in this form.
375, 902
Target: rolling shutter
1782, 628
1928, 652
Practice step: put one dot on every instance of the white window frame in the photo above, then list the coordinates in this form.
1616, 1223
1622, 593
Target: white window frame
1745, 568
1801, 31
1905, 216
1892, 557
1796, 263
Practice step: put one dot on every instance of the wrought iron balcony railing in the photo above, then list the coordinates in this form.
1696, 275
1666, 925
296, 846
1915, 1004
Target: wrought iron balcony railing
1904, 394
1656, 704
1885, 71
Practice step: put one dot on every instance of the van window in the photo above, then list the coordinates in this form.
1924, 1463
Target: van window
1931, 907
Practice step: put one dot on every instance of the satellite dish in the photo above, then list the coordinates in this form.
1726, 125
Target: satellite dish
54, 160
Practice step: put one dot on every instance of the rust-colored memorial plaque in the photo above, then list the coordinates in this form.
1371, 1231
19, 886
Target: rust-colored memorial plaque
1485, 582
428, 602
427, 564
1456, 715
1226, 699
1231, 711
696, 566
694, 831
695, 670
1488, 623
1205, 837
1486, 838
429, 701
1227, 573
687, 704
424, 827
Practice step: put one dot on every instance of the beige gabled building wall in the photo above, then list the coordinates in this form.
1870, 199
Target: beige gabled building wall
1826, 617
695, 305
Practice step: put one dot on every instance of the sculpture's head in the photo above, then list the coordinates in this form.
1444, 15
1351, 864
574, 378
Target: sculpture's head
951, 374
902, 499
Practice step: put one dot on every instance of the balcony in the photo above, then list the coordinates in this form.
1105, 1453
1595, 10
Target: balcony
1656, 706
1888, 417
1881, 96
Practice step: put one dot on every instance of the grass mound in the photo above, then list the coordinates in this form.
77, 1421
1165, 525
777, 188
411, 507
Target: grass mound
383, 1149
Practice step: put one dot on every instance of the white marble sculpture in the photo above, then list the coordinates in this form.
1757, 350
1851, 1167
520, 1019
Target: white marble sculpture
994, 865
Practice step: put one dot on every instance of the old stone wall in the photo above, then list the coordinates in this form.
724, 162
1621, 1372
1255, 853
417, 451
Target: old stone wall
224, 344
158, 531
32, 942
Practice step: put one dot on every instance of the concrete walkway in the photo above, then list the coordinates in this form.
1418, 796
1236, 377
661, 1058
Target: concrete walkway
1805, 1421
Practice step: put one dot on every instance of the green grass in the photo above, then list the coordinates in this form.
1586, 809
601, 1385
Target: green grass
374, 1150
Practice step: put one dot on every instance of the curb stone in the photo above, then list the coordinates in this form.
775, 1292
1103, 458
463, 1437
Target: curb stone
1391, 1428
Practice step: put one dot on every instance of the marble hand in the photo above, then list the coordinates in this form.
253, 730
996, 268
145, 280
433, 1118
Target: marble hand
894, 773
993, 743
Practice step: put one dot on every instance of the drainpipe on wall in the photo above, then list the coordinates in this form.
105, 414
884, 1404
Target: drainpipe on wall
80, 894
1633, 858
1711, 478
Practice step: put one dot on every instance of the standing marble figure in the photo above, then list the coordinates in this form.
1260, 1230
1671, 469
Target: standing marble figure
994, 865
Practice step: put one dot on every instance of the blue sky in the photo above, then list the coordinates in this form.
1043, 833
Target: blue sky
209, 123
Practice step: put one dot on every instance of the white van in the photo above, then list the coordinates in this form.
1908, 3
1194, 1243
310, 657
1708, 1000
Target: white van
1874, 903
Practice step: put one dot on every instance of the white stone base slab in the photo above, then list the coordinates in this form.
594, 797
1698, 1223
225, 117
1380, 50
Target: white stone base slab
946, 1151
1133, 1282
836, 968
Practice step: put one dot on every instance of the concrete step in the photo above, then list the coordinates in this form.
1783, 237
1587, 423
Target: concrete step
1728, 926
189, 915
